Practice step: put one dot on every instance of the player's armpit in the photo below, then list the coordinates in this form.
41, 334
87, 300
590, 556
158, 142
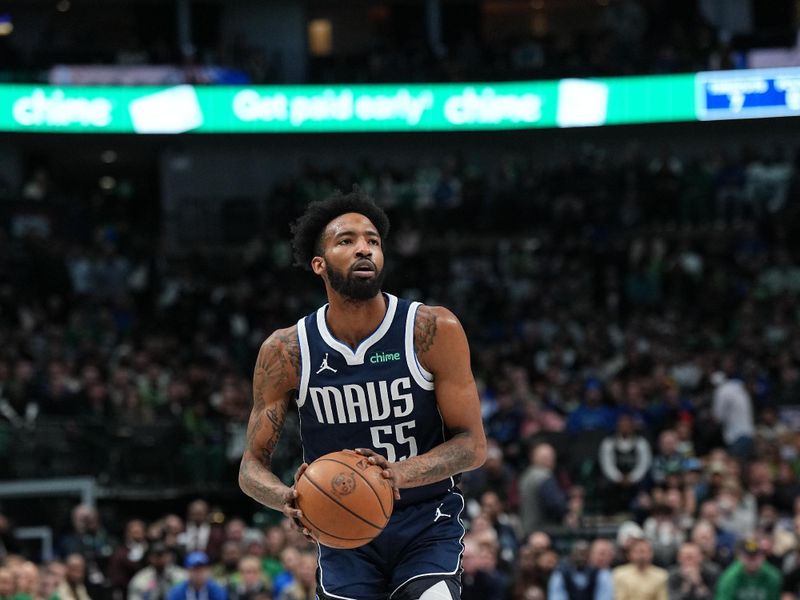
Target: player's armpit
276, 375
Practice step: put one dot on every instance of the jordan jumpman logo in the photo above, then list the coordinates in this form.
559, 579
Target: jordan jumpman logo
324, 366
439, 513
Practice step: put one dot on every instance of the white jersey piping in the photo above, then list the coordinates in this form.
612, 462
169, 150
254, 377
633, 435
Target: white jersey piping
305, 362
356, 357
423, 378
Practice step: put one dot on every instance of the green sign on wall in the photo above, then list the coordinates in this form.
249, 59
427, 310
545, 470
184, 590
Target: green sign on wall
357, 108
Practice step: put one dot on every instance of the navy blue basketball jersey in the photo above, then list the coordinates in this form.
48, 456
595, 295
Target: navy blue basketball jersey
377, 396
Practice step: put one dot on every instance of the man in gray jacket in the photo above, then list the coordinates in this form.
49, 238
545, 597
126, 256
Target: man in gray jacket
542, 501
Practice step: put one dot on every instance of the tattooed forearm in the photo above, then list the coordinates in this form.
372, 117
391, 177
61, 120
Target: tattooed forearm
450, 458
255, 476
254, 427
260, 484
424, 329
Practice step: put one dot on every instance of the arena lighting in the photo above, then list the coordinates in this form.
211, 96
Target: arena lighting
744, 94
63, 6
6, 25
320, 37
107, 183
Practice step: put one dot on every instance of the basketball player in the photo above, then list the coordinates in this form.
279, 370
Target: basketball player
385, 376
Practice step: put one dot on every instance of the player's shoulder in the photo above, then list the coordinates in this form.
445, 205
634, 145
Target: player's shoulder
282, 338
435, 316
436, 313
280, 353
432, 323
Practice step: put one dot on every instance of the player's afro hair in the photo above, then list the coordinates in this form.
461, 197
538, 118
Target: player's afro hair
307, 230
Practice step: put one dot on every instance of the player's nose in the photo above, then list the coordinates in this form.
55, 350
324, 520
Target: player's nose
363, 249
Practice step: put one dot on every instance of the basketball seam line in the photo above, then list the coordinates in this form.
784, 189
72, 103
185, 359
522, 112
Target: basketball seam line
355, 514
369, 485
338, 537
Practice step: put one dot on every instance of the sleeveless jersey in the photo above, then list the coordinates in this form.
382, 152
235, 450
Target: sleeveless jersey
625, 459
377, 396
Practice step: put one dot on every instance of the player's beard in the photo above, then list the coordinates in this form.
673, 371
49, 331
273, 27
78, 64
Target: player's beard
355, 288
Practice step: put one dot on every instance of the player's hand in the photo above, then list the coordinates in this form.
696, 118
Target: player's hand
290, 509
390, 469
297, 474
289, 506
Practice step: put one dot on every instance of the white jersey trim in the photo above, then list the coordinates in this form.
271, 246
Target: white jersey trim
356, 357
423, 378
460, 554
305, 362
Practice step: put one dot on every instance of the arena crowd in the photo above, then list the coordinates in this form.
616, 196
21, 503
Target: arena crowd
634, 327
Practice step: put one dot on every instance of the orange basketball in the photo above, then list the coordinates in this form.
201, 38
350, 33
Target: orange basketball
345, 500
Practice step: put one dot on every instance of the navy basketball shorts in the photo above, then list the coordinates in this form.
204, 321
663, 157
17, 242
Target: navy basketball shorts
420, 546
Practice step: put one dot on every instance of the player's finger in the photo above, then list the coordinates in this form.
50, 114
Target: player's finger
395, 490
300, 470
379, 460
292, 512
387, 474
309, 536
366, 452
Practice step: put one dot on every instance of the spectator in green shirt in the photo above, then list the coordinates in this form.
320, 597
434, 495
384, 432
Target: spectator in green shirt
275, 544
750, 577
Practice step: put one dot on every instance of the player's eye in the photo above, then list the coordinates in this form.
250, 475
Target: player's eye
375, 242
344, 241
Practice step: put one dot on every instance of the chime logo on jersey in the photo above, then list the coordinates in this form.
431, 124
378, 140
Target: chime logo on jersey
382, 357
362, 403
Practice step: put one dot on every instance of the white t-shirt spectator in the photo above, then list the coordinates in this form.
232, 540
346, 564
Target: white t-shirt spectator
733, 410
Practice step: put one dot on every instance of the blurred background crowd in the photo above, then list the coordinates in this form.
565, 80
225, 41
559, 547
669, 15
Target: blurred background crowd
634, 326
632, 307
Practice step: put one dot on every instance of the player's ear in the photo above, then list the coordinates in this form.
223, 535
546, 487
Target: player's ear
318, 265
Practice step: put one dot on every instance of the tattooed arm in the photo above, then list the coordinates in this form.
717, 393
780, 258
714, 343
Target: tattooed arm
442, 348
276, 375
